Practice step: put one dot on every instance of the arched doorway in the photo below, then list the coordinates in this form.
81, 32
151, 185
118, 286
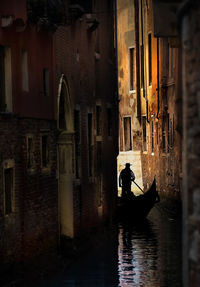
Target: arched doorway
65, 156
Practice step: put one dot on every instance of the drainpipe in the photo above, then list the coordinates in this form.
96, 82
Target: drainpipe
158, 79
137, 45
116, 70
114, 202
142, 63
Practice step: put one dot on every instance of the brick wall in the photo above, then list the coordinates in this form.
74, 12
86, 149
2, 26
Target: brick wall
91, 80
32, 226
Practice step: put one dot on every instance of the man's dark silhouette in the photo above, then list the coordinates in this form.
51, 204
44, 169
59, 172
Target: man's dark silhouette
125, 178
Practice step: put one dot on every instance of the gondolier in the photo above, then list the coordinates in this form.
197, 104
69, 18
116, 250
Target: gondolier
125, 179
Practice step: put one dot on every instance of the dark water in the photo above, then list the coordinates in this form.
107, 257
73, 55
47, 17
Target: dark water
147, 255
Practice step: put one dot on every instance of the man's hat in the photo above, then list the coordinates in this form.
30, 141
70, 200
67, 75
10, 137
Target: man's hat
128, 164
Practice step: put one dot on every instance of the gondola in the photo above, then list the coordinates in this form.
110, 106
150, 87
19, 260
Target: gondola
136, 208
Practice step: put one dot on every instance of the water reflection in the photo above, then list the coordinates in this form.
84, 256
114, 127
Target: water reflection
147, 254
137, 254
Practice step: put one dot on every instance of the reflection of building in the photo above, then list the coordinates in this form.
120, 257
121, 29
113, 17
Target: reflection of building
149, 92
57, 119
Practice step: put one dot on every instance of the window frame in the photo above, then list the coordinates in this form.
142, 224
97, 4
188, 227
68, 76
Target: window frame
132, 69
130, 133
9, 164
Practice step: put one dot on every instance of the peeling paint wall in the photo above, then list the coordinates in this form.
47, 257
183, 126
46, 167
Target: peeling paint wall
128, 97
160, 100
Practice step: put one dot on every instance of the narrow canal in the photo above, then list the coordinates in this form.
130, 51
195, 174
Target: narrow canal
147, 255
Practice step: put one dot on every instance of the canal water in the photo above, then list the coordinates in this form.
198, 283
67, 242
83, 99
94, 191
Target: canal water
132, 255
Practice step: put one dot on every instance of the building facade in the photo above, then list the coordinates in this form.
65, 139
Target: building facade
87, 130
58, 141
149, 92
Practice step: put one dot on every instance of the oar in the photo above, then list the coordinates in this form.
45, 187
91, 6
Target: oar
138, 186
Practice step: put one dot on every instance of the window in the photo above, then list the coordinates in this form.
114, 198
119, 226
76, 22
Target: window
25, 82
87, 5
144, 134
163, 134
131, 69
168, 133
45, 151
8, 190
77, 142
5, 80
150, 59
142, 66
127, 133
157, 133
90, 155
171, 62
99, 173
152, 136
99, 120
46, 82
30, 152
109, 121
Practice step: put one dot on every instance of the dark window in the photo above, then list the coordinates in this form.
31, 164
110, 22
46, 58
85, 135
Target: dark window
45, 151
131, 69
142, 66
99, 172
168, 133
25, 83
62, 122
5, 79
46, 82
157, 133
109, 119
30, 153
150, 59
163, 134
8, 181
90, 156
127, 134
77, 142
86, 5
152, 136
2, 79
98, 120
144, 134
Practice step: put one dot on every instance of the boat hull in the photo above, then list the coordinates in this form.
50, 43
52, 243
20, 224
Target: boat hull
136, 208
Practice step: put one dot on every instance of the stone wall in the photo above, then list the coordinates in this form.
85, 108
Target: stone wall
190, 32
32, 225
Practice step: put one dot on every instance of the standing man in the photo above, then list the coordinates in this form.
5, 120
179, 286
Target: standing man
125, 178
